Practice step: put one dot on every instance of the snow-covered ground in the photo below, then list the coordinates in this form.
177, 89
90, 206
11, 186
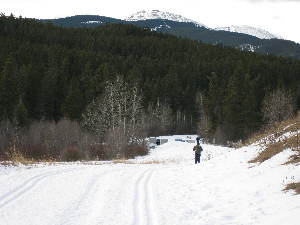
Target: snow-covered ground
163, 188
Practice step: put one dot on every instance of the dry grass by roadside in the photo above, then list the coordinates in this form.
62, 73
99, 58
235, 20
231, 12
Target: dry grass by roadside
16, 158
277, 147
121, 161
275, 130
7, 163
274, 140
293, 186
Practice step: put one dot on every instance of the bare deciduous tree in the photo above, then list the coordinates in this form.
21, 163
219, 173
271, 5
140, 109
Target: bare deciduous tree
46, 139
277, 106
116, 115
160, 118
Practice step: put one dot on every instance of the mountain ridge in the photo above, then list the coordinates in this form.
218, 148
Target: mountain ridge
190, 30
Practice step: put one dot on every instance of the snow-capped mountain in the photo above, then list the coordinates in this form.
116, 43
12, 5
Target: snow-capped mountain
156, 14
253, 31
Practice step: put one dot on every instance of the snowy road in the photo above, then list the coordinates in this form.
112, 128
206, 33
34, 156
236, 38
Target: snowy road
164, 188
98, 194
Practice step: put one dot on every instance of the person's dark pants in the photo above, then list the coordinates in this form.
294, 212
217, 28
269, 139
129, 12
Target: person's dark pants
197, 158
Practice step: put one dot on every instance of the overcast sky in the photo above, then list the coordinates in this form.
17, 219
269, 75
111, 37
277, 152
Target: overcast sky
281, 17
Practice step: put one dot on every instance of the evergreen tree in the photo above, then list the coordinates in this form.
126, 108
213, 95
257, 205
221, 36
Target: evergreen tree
32, 91
49, 99
74, 102
250, 108
233, 105
215, 99
9, 88
21, 115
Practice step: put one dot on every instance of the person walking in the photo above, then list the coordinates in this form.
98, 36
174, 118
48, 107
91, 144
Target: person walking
197, 149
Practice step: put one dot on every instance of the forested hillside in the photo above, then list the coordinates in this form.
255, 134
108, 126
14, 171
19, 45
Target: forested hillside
50, 73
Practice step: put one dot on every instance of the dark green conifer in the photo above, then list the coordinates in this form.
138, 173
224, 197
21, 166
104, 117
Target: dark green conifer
9, 88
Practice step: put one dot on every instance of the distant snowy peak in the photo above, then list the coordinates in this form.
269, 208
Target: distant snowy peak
156, 14
257, 32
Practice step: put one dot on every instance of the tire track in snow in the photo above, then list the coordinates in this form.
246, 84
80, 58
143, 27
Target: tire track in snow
91, 185
27, 185
119, 198
150, 208
76, 206
144, 212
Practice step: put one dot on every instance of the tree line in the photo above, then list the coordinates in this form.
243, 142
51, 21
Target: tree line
51, 73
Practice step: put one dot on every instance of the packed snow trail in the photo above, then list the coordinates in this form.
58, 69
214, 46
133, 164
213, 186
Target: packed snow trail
163, 188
